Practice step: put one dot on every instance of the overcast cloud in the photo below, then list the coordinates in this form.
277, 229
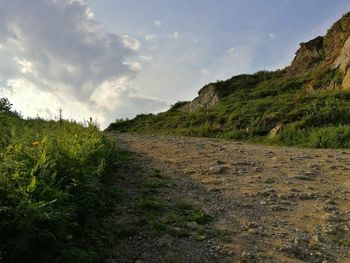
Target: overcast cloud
55, 54
111, 59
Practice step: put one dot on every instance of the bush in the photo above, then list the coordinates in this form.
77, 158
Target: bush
5, 105
251, 105
330, 137
54, 184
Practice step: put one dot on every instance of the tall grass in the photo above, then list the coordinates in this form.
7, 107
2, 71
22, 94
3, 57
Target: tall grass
55, 186
251, 105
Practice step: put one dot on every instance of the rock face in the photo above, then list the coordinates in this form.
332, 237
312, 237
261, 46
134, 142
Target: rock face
335, 38
346, 81
207, 97
343, 59
332, 50
308, 54
275, 130
342, 63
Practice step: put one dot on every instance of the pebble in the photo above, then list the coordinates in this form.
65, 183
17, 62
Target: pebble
330, 202
192, 225
333, 218
246, 255
217, 169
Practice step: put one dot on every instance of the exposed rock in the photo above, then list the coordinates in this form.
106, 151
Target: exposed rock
275, 130
207, 97
331, 51
247, 256
335, 38
192, 225
343, 59
308, 54
305, 176
333, 218
300, 158
346, 81
217, 169
166, 241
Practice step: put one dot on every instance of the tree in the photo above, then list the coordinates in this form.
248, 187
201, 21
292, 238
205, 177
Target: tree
5, 105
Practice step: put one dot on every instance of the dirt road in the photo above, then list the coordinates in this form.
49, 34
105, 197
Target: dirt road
268, 204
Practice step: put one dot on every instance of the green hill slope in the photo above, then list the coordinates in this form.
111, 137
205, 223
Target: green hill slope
307, 104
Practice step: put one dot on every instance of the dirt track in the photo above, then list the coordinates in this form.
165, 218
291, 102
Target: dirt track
269, 204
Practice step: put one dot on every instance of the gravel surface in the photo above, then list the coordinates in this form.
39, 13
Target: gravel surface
268, 204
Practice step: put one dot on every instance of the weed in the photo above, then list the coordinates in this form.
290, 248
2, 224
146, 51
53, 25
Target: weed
55, 189
252, 105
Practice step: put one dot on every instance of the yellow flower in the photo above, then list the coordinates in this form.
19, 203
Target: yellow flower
35, 143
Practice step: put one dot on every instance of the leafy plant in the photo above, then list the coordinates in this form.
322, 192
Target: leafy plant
252, 105
55, 186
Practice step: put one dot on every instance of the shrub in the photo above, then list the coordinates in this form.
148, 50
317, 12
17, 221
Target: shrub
54, 183
330, 137
251, 105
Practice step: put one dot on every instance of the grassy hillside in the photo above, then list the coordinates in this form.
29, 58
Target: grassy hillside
306, 104
55, 190
252, 105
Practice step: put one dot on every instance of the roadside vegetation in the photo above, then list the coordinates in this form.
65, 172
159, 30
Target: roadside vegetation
311, 113
64, 186
56, 190
177, 218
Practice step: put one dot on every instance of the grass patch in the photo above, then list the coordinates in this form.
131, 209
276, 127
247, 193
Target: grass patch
341, 238
252, 105
165, 216
56, 190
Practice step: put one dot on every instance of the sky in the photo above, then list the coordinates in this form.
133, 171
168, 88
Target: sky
112, 59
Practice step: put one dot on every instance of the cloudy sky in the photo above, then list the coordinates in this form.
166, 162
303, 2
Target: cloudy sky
111, 59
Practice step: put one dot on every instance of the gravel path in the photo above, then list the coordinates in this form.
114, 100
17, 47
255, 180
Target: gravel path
268, 204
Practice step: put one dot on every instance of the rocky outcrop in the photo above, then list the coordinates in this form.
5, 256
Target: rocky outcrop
307, 56
208, 96
346, 81
335, 39
273, 132
342, 61
325, 49
331, 52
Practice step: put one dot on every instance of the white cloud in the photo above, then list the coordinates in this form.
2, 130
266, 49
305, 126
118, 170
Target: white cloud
120, 90
157, 23
131, 43
151, 37
174, 35
24, 66
146, 58
231, 51
55, 54
204, 71
35, 102
272, 35
152, 40
134, 66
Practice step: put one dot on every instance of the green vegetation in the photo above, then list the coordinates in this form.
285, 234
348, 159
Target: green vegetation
164, 216
55, 190
339, 237
58, 195
312, 112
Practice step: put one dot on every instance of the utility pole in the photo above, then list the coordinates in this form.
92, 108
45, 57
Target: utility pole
60, 117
